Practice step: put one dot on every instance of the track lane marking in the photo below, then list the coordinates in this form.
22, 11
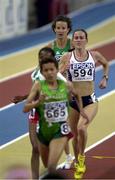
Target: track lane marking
87, 149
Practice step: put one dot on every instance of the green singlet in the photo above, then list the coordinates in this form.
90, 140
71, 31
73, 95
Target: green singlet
61, 51
53, 112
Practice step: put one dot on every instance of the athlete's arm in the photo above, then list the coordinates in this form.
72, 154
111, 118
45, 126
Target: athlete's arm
103, 61
31, 102
18, 99
64, 63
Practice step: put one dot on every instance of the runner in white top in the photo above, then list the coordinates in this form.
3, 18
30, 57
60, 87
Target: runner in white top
82, 71
80, 64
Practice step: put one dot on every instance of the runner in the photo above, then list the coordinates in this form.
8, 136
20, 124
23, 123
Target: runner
52, 106
62, 26
81, 71
33, 116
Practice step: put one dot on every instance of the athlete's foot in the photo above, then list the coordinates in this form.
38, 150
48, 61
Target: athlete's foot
68, 162
78, 176
80, 167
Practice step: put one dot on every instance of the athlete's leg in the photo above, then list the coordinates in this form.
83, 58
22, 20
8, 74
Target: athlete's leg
35, 151
67, 150
44, 153
74, 117
35, 164
69, 157
56, 148
90, 111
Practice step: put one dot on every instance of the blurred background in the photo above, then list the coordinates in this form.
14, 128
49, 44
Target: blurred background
25, 27
21, 16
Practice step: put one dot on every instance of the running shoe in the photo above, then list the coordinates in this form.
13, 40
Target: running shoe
78, 176
68, 162
80, 167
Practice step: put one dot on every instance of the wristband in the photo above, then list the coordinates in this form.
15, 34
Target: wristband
106, 77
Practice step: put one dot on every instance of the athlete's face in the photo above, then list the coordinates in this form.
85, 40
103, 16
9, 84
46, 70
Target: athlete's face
49, 71
79, 39
61, 29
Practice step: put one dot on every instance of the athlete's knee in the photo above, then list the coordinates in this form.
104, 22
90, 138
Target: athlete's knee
81, 129
75, 135
73, 129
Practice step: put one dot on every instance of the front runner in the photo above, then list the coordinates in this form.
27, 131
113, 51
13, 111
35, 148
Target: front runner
52, 106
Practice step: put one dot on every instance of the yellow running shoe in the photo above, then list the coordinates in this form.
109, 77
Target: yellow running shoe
79, 171
80, 167
78, 176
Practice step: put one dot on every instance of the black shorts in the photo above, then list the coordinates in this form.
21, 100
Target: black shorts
86, 100
62, 130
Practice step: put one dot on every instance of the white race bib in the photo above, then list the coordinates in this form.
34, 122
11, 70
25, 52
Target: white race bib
56, 111
82, 71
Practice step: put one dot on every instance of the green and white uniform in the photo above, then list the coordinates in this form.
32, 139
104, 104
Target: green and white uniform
36, 75
59, 52
53, 112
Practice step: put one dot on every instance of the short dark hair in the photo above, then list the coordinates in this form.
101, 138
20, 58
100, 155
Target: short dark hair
48, 60
64, 19
47, 50
80, 29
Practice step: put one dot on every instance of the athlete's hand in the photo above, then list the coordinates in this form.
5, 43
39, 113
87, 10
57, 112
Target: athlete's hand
103, 83
42, 97
17, 99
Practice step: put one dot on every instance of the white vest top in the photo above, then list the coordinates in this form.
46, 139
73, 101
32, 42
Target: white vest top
82, 70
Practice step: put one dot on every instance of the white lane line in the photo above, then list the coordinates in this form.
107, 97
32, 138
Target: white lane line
13, 141
21, 137
33, 47
17, 75
31, 69
92, 146
102, 43
9, 106
97, 69
21, 73
101, 24
6, 107
23, 51
100, 141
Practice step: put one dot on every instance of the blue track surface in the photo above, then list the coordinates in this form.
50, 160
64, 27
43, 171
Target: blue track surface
85, 19
13, 122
